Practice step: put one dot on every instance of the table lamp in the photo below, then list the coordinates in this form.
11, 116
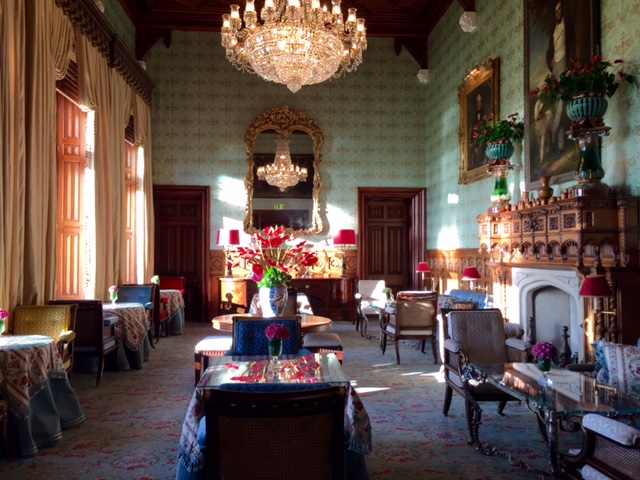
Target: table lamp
596, 286
423, 268
344, 239
228, 238
470, 274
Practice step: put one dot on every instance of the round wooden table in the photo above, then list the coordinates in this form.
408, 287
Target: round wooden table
309, 323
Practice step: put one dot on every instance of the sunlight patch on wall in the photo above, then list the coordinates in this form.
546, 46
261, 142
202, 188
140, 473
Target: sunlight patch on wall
231, 191
448, 238
338, 219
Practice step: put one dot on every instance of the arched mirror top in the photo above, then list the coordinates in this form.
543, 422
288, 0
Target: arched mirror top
299, 206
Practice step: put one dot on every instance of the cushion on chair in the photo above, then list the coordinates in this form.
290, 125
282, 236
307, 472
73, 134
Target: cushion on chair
250, 337
617, 431
621, 367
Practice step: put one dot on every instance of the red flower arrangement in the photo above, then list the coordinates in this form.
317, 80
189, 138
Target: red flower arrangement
595, 77
277, 331
544, 351
273, 248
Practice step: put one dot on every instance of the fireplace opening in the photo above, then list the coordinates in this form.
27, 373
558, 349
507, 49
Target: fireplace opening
551, 310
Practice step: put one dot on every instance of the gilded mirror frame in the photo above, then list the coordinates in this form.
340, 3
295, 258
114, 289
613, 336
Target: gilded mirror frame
283, 121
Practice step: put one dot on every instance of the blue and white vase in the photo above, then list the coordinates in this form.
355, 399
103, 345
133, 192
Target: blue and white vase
273, 300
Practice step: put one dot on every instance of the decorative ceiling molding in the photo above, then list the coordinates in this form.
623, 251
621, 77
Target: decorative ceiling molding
86, 17
408, 22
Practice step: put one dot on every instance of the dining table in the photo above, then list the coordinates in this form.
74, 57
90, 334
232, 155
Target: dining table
131, 330
175, 310
308, 323
41, 400
299, 368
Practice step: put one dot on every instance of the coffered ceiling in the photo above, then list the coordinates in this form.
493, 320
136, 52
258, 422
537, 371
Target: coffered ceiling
408, 22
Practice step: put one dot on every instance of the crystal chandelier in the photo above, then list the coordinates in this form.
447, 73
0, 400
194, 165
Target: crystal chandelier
298, 43
282, 173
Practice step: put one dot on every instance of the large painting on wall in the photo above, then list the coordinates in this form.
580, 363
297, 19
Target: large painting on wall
556, 33
479, 96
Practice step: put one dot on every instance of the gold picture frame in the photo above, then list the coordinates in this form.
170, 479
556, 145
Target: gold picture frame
478, 95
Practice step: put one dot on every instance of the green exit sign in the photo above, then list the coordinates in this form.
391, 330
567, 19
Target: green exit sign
278, 206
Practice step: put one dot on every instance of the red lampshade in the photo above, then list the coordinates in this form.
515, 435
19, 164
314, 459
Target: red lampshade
596, 286
471, 273
345, 237
228, 237
423, 267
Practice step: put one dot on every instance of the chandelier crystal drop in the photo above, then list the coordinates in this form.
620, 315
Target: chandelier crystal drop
298, 43
282, 173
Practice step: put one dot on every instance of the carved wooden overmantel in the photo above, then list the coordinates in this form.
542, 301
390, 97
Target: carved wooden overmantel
589, 235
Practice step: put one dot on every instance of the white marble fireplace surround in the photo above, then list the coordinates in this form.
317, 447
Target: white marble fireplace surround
552, 297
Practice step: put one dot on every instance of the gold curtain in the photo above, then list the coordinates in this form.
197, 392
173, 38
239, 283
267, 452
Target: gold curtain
105, 91
36, 48
12, 149
142, 115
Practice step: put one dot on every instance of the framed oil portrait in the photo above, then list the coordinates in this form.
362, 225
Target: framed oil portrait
556, 33
478, 95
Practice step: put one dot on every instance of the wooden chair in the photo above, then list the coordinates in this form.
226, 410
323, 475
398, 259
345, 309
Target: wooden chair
95, 336
288, 435
414, 319
475, 336
55, 321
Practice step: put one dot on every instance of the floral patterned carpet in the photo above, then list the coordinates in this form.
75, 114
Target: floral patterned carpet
134, 420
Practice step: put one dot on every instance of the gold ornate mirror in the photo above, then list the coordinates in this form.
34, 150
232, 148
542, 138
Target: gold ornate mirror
296, 207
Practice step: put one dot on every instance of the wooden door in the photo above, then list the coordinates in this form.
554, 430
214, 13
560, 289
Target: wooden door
182, 242
392, 235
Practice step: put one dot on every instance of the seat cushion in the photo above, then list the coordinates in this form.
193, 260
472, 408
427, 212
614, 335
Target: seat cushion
322, 340
213, 345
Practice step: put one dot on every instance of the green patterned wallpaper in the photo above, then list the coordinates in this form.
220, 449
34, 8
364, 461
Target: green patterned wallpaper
120, 22
373, 122
382, 127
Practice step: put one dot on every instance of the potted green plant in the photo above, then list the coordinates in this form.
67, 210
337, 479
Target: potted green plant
585, 88
488, 131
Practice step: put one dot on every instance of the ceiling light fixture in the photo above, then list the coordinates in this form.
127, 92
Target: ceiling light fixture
299, 42
282, 173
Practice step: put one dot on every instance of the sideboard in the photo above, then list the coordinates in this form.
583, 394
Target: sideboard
332, 297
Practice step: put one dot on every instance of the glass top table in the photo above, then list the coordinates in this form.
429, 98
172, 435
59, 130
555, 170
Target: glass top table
314, 368
559, 398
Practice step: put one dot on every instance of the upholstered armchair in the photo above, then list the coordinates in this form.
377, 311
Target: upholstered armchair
475, 337
172, 283
55, 321
414, 318
370, 300
611, 449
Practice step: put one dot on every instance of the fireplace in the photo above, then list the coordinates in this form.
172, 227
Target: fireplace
543, 301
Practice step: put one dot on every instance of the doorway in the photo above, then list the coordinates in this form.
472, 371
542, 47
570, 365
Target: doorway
392, 235
182, 242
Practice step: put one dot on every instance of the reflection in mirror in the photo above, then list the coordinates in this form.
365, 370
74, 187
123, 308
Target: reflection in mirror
296, 206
